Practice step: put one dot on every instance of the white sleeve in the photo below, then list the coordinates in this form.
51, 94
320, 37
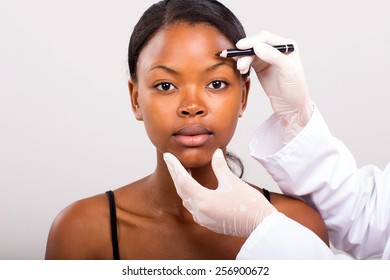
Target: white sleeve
279, 237
354, 203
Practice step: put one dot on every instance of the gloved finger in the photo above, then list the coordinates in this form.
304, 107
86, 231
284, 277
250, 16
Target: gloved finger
186, 186
221, 171
244, 63
249, 41
272, 56
262, 37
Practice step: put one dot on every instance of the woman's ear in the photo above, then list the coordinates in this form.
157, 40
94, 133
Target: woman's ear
245, 91
133, 89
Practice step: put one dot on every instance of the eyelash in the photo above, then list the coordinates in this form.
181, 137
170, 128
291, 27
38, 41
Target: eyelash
221, 83
160, 85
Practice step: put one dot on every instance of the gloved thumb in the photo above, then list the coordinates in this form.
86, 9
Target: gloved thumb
222, 171
244, 64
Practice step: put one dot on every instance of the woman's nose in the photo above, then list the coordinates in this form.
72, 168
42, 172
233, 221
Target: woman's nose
192, 106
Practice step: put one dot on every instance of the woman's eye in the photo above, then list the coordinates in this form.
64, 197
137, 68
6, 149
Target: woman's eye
217, 85
165, 86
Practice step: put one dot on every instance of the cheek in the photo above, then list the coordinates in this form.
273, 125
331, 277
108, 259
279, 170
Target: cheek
226, 116
157, 117
228, 107
229, 127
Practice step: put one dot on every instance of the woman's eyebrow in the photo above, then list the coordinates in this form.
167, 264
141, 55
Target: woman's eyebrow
211, 68
222, 63
165, 68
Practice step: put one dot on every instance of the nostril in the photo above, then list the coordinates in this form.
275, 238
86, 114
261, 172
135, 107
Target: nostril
191, 112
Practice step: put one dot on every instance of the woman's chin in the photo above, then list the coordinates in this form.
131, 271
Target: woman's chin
194, 164
195, 159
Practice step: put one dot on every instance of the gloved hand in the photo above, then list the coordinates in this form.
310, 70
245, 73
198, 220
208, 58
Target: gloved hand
234, 208
282, 78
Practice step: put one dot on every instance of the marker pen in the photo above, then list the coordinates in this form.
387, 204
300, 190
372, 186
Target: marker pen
236, 52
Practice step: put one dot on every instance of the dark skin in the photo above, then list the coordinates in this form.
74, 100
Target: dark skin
180, 83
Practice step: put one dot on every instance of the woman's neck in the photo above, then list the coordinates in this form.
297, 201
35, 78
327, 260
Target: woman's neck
161, 192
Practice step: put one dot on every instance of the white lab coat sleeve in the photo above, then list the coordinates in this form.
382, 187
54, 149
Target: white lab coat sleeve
280, 238
354, 202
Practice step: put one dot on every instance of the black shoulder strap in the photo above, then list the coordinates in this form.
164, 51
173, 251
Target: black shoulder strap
267, 195
114, 233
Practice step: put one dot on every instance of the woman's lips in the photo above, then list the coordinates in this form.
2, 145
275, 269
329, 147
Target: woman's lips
192, 135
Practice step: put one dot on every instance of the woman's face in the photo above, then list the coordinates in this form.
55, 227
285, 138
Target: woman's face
189, 99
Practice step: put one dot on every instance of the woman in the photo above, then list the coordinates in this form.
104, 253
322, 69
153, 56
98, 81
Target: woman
190, 101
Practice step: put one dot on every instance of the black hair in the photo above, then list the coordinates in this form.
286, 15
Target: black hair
169, 12
235, 164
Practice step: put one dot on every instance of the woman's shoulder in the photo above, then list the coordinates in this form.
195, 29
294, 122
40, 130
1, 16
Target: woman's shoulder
73, 233
301, 212
82, 230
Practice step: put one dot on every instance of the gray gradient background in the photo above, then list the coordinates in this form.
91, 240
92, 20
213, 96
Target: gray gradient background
66, 126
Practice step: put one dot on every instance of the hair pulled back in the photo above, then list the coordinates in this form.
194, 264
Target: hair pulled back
168, 12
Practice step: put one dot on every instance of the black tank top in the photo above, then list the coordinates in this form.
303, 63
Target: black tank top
114, 233
113, 222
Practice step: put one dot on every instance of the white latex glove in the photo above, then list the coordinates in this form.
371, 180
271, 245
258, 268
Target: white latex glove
234, 208
282, 78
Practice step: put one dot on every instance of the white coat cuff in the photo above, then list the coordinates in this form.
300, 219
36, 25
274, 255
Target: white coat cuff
266, 143
278, 237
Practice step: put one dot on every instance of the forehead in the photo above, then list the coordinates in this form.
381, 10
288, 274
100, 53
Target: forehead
182, 43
